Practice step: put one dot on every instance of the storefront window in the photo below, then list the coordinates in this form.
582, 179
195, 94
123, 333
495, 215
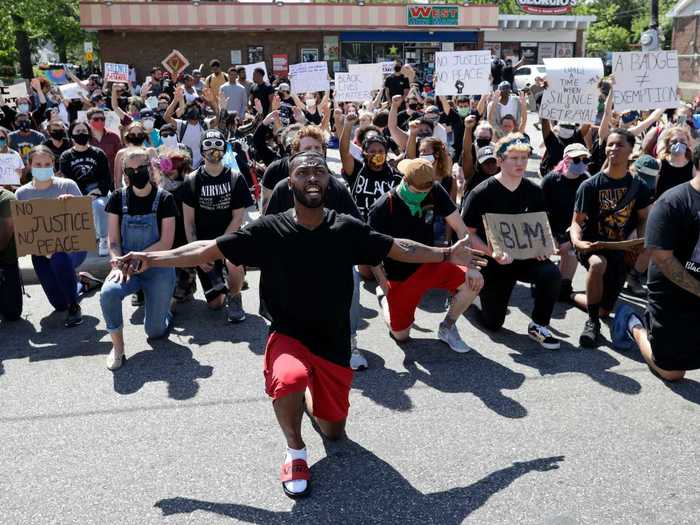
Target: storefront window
384, 52
356, 52
255, 54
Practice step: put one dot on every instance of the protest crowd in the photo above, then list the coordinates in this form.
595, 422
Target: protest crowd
432, 193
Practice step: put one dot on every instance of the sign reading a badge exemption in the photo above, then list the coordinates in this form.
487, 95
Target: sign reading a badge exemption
309, 76
47, 226
645, 80
572, 92
462, 72
522, 236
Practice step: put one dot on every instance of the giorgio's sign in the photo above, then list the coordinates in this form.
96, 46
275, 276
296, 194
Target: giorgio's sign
547, 7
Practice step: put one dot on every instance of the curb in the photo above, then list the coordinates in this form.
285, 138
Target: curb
96, 265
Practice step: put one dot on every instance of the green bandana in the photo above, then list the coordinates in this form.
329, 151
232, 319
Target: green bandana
412, 199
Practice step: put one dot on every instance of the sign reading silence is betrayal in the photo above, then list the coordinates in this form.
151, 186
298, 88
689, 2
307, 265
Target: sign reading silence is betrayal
645, 80
522, 236
572, 91
462, 72
47, 226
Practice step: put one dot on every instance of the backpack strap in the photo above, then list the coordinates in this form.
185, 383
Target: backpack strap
125, 200
183, 129
156, 201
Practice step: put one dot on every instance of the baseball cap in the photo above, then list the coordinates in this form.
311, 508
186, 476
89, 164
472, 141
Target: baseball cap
576, 150
283, 87
485, 153
647, 165
417, 172
503, 85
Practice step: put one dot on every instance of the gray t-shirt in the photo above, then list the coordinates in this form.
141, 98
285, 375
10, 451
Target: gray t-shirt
60, 186
237, 98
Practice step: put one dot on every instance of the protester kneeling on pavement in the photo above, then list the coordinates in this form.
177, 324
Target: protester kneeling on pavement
10, 280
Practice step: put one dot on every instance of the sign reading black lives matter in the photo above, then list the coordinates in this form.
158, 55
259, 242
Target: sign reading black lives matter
522, 235
47, 226
645, 80
572, 91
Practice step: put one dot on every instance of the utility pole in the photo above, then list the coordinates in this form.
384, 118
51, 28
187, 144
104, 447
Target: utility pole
650, 38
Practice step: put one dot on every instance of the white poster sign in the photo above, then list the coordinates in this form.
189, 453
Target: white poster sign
645, 80
236, 57
572, 95
352, 87
462, 72
250, 69
116, 72
373, 72
309, 76
10, 94
388, 68
72, 91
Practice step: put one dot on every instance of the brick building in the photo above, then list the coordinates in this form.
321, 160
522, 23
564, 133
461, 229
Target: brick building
686, 31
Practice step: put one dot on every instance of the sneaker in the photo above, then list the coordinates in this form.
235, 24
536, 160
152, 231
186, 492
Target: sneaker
89, 282
543, 336
234, 309
115, 361
137, 299
621, 337
589, 336
357, 360
450, 336
634, 284
75, 316
102, 247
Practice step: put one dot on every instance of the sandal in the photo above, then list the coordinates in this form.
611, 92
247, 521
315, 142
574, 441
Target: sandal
297, 469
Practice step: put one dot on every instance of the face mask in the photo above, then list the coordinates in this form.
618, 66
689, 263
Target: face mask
170, 141
57, 134
81, 138
480, 143
412, 199
140, 177
23, 108
98, 125
3, 143
24, 125
192, 114
577, 169
310, 103
565, 133
463, 112
136, 140
213, 155
377, 160
678, 148
429, 158
42, 174
148, 124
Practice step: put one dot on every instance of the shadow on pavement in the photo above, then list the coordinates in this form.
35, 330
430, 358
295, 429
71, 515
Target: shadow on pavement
686, 388
384, 386
168, 362
353, 485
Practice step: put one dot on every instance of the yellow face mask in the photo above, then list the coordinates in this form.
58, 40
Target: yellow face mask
377, 160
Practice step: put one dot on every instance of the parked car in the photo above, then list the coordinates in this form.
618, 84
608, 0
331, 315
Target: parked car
524, 76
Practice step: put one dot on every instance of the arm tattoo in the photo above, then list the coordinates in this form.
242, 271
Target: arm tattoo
674, 271
407, 245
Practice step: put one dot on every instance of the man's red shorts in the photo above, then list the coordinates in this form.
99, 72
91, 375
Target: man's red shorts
404, 296
290, 367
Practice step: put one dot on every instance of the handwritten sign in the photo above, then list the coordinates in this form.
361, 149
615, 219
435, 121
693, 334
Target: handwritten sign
645, 80
175, 63
309, 76
572, 95
116, 72
352, 87
72, 91
10, 94
250, 69
47, 226
462, 72
522, 236
373, 72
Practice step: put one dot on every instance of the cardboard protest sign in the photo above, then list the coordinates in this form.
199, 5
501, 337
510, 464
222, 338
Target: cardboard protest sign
645, 80
522, 236
116, 72
47, 226
72, 91
10, 94
572, 95
175, 63
352, 87
620, 245
372, 72
462, 72
250, 69
309, 76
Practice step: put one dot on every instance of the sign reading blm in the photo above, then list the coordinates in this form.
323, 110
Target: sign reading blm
47, 226
522, 236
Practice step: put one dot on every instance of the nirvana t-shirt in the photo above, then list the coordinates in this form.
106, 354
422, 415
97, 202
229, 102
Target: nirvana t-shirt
559, 198
674, 224
671, 176
338, 198
88, 168
167, 207
390, 215
306, 275
8, 253
493, 197
214, 199
366, 186
601, 194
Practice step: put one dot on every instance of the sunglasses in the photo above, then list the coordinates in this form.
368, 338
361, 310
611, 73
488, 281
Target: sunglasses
166, 135
578, 160
131, 171
213, 144
98, 119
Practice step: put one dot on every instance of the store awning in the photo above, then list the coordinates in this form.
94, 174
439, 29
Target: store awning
544, 22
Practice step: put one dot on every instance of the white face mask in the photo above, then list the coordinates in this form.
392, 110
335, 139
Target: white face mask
565, 133
310, 103
147, 124
170, 141
429, 158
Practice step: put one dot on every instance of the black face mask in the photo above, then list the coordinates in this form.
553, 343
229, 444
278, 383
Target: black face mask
139, 177
81, 138
57, 134
480, 143
413, 106
136, 140
24, 125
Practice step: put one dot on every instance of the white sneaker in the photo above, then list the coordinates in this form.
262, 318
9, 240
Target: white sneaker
450, 336
543, 336
102, 247
357, 360
114, 361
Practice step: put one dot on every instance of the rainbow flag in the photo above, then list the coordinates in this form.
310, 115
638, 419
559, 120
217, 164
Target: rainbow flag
55, 76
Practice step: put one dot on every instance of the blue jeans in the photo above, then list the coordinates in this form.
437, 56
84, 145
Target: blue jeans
157, 285
355, 306
100, 216
57, 277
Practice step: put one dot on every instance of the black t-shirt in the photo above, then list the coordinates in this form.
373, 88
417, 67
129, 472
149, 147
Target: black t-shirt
396, 84
554, 150
214, 199
167, 207
338, 198
674, 224
275, 172
559, 199
89, 169
403, 118
671, 176
597, 157
366, 186
600, 193
57, 151
313, 118
496, 71
493, 197
262, 93
508, 73
390, 215
306, 275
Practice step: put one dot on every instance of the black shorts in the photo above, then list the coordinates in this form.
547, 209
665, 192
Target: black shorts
674, 338
614, 277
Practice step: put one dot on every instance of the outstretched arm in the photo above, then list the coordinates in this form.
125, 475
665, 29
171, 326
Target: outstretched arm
187, 256
406, 250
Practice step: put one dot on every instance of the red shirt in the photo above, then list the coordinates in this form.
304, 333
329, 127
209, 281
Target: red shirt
110, 144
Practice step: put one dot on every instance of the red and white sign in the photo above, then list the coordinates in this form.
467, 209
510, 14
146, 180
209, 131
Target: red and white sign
546, 7
280, 65
175, 63
116, 72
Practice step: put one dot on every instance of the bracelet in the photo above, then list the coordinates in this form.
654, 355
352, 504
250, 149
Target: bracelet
446, 254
